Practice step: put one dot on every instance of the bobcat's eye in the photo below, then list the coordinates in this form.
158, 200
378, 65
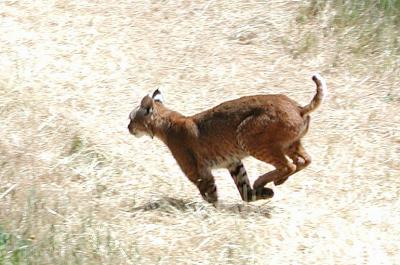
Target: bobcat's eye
149, 110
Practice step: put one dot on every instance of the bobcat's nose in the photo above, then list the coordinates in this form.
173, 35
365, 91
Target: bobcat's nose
130, 129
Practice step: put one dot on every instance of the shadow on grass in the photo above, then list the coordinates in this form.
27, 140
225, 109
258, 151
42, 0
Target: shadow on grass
172, 205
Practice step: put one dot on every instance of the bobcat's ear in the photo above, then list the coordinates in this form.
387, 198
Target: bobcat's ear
146, 106
157, 96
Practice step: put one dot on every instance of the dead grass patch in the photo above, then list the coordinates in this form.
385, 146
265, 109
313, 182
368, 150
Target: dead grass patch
75, 188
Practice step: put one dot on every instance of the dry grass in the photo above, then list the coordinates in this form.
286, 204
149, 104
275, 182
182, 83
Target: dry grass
75, 188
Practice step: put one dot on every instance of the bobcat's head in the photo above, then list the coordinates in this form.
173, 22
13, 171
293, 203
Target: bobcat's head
142, 116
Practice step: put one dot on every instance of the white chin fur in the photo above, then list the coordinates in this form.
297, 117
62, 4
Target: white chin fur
139, 134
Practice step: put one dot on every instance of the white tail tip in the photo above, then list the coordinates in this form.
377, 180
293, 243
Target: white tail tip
318, 78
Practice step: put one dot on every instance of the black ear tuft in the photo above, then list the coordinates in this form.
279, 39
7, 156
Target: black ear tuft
156, 92
157, 96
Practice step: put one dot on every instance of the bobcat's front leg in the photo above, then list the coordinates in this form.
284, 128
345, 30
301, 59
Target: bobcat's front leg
204, 181
198, 174
206, 185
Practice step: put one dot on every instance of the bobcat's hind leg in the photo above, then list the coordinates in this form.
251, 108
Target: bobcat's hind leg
284, 168
239, 176
300, 158
265, 137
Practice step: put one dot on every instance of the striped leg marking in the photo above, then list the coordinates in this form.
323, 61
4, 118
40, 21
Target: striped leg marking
239, 175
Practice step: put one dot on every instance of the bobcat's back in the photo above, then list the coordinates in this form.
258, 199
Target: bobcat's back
221, 128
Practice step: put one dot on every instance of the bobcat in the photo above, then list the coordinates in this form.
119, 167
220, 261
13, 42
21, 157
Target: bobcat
266, 127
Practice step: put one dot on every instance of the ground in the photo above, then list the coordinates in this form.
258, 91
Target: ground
76, 188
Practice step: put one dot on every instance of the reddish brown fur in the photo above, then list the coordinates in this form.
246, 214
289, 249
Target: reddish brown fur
267, 127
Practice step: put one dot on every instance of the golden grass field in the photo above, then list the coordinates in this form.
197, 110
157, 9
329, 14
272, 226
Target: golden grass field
76, 188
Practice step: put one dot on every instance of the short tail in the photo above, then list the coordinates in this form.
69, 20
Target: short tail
322, 90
